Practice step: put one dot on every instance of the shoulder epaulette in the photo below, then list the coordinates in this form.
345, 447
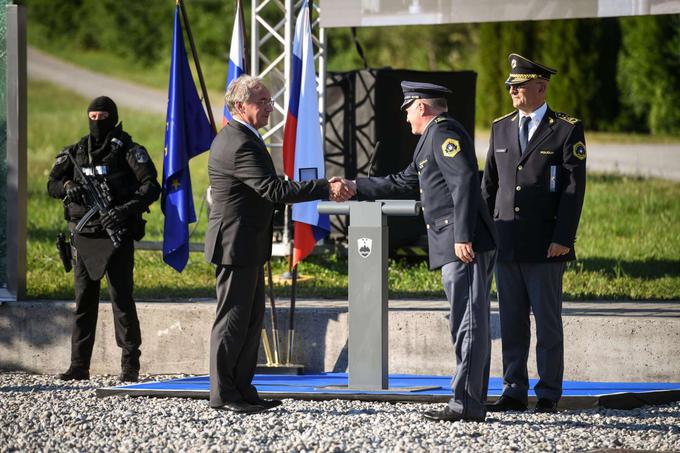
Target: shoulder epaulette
504, 116
567, 118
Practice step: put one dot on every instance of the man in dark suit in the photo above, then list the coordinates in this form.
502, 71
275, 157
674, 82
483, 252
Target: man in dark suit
534, 184
460, 235
245, 188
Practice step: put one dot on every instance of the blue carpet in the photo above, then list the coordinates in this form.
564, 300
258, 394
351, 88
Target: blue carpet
576, 394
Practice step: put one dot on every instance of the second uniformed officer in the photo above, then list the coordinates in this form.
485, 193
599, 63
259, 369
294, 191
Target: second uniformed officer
108, 156
460, 234
534, 184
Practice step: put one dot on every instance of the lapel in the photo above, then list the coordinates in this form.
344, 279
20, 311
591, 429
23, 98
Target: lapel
243, 128
512, 131
254, 138
543, 131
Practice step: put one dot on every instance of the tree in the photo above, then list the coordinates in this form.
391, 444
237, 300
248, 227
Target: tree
649, 71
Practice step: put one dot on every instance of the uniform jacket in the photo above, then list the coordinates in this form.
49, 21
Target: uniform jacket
445, 168
535, 198
245, 189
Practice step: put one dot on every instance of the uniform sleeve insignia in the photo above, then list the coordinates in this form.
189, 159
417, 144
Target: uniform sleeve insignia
141, 156
579, 150
503, 117
567, 118
450, 147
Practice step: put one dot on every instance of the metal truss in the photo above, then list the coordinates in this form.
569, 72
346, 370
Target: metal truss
271, 58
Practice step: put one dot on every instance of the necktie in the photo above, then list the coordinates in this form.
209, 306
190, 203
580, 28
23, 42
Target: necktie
524, 133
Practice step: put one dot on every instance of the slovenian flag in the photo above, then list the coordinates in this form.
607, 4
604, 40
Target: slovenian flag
237, 57
302, 145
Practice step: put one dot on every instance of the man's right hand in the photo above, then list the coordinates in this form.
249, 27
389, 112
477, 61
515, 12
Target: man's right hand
341, 189
75, 193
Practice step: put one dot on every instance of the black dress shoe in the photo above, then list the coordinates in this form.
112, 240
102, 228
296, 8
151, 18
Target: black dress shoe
129, 376
241, 407
506, 403
447, 415
546, 406
74, 374
269, 404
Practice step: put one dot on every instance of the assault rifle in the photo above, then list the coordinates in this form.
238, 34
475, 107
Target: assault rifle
100, 199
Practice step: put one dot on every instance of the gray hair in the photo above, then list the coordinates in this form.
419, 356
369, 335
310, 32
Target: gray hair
438, 104
240, 90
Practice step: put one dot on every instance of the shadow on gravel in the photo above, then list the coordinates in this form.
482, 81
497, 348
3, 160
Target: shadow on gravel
566, 424
43, 388
28, 327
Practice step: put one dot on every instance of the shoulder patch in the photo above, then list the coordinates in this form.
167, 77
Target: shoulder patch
450, 147
579, 150
567, 118
61, 158
503, 117
141, 156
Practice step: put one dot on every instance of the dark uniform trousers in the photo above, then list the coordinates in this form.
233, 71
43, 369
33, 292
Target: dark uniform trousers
235, 337
525, 286
467, 288
119, 276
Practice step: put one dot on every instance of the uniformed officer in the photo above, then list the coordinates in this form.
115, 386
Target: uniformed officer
107, 154
534, 183
460, 233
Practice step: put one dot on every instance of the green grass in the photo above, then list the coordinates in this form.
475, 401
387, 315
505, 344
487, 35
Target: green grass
628, 245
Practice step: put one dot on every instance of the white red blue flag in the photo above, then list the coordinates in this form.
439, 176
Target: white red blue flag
237, 56
302, 144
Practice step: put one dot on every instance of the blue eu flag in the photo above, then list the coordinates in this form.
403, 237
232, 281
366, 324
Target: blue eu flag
188, 133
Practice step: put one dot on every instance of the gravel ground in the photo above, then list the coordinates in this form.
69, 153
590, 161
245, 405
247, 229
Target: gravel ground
38, 413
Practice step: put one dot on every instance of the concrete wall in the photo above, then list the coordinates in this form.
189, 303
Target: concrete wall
606, 346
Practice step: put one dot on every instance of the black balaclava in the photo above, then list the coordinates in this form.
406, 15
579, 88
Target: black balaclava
100, 129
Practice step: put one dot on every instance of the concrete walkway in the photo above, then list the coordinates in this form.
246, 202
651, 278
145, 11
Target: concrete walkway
605, 341
659, 160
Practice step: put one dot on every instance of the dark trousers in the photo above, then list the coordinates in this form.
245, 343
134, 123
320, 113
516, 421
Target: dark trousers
119, 276
235, 337
537, 287
467, 288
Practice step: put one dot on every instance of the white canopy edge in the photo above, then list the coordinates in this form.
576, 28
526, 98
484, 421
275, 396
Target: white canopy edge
381, 13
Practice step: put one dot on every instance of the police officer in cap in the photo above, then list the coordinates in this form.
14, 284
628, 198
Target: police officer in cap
534, 183
107, 154
461, 236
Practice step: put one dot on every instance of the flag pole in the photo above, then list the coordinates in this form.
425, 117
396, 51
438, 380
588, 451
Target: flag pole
275, 330
291, 319
194, 53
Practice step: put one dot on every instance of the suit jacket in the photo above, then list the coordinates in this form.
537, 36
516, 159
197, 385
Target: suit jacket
245, 188
536, 198
445, 167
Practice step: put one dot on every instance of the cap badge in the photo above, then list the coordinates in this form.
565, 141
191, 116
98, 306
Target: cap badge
513, 63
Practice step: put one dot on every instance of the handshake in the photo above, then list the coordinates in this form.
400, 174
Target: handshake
341, 189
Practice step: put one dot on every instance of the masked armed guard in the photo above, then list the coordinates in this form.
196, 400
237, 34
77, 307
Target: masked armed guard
109, 158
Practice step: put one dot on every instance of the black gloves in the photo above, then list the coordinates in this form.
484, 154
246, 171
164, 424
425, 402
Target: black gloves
115, 218
75, 193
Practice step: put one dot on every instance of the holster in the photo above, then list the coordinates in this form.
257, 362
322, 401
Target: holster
65, 254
